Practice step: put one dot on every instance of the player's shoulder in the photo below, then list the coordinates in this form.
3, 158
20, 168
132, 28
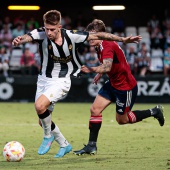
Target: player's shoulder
75, 32
109, 43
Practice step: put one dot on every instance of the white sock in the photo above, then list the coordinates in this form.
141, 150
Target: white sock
59, 138
46, 125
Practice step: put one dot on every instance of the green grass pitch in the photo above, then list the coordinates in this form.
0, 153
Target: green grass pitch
141, 146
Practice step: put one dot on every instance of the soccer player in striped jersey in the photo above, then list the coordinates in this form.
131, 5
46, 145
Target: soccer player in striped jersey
59, 61
121, 85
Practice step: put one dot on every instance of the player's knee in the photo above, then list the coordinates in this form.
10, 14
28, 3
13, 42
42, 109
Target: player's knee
94, 111
39, 108
122, 120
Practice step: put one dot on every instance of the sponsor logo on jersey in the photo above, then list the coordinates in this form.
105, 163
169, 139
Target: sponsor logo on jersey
62, 59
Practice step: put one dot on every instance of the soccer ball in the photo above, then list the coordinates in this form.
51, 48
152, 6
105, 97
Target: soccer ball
13, 151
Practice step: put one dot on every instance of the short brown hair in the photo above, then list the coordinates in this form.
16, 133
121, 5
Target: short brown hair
52, 17
96, 25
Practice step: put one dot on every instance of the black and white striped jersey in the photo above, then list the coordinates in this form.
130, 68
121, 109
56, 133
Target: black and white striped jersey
59, 61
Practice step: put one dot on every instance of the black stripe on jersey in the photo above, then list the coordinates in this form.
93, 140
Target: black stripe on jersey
77, 57
64, 66
41, 55
50, 63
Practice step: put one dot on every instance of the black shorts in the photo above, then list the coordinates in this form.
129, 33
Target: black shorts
125, 99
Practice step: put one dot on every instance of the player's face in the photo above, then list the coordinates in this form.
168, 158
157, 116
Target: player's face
52, 31
94, 42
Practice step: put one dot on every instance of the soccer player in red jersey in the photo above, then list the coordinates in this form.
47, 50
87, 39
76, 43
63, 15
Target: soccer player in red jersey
121, 85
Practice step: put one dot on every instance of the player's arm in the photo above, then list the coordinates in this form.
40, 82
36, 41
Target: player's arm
21, 40
112, 37
97, 78
103, 68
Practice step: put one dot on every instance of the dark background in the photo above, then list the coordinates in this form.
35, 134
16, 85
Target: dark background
137, 12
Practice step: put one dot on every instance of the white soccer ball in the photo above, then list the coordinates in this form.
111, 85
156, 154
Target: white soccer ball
13, 151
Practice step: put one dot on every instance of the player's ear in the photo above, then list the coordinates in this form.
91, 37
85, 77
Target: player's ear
60, 26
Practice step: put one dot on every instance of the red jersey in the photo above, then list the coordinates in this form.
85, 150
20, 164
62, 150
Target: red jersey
120, 75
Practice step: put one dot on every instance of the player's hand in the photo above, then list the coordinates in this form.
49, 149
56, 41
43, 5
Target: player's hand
132, 39
16, 41
85, 69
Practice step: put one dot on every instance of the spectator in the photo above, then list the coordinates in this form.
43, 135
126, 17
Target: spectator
32, 22
27, 62
167, 38
6, 37
20, 20
166, 61
157, 38
131, 56
144, 45
29, 28
166, 23
7, 21
18, 31
143, 61
4, 59
91, 59
153, 23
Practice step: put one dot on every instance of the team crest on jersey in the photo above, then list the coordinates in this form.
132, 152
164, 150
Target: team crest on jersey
74, 31
41, 29
70, 47
50, 47
51, 95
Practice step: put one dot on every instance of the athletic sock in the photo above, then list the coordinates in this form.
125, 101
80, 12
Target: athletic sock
138, 115
45, 119
58, 136
94, 127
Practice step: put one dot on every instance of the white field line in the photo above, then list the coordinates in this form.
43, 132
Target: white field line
82, 125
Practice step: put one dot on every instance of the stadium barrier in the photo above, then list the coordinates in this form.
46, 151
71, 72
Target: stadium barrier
151, 89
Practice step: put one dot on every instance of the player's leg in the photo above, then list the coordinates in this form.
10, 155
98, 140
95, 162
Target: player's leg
52, 93
63, 87
101, 101
65, 146
139, 115
44, 115
124, 114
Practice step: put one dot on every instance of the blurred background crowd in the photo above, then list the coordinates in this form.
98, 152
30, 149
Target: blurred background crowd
150, 56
